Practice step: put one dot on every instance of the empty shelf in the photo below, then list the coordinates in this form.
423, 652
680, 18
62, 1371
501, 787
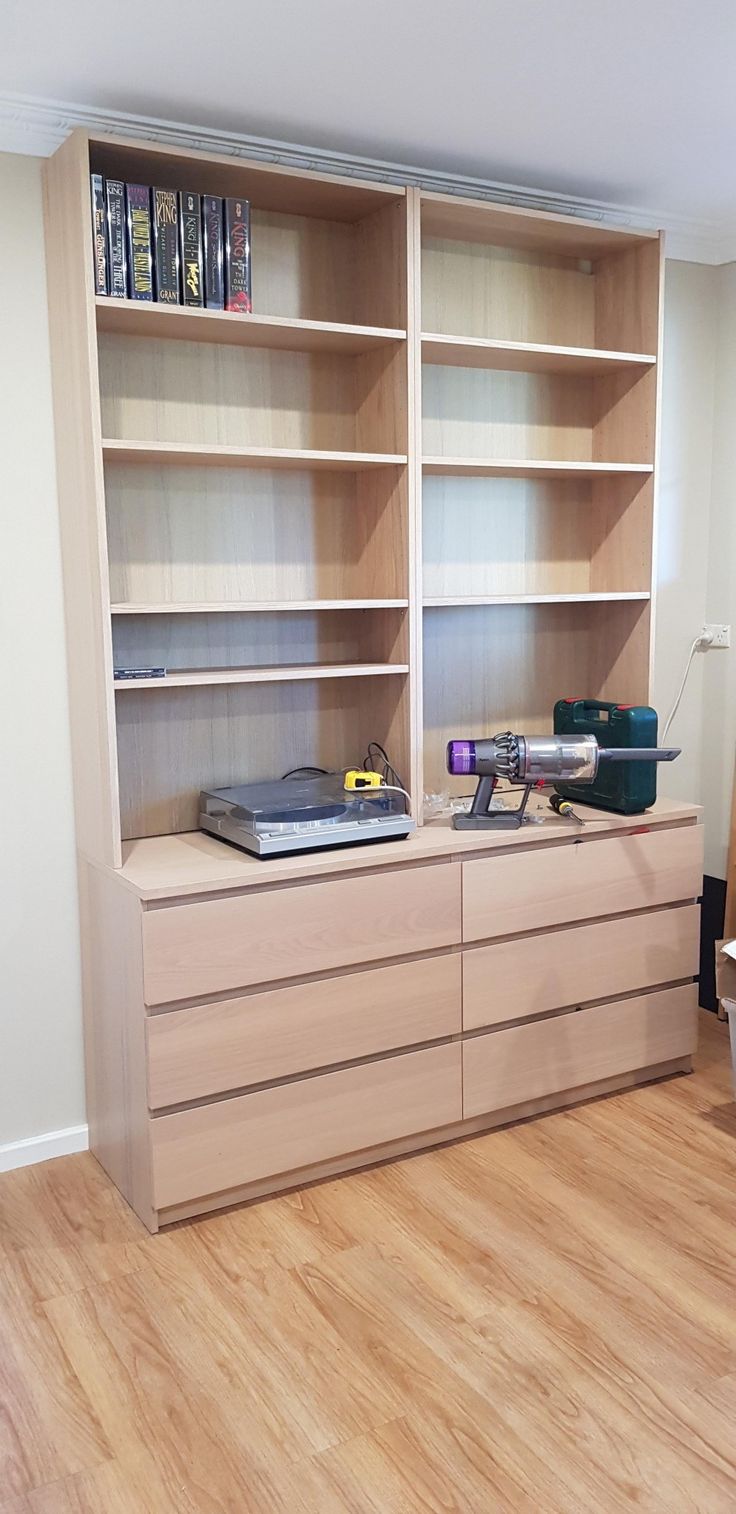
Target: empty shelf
198, 677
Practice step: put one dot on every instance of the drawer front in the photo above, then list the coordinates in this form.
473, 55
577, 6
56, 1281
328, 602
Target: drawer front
533, 974
508, 1067
215, 945
528, 890
277, 1130
193, 1053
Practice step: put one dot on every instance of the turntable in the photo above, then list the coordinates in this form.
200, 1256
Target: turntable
303, 814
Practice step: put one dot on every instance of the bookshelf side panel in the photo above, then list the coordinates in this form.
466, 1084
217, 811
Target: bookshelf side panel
81, 500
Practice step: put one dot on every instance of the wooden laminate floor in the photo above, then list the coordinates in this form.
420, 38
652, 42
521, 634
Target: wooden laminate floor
542, 1319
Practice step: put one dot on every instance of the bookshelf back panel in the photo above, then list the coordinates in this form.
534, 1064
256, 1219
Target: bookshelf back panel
153, 390
263, 640
470, 289
212, 535
506, 536
172, 743
490, 668
470, 412
304, 268
473, 412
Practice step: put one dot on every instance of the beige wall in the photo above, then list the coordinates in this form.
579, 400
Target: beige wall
719, 686
41, 1085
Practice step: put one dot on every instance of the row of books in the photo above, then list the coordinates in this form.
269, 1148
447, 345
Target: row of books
170, 245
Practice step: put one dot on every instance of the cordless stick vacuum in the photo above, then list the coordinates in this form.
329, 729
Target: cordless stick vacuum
529, 762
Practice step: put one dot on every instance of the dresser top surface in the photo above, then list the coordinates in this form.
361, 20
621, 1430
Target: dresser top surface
162, 867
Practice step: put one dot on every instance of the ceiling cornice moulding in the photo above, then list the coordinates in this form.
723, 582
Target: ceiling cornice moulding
37, 127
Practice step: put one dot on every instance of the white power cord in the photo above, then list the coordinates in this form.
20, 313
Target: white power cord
704, 640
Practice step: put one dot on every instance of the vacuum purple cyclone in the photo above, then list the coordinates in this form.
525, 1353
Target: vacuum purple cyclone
460, 758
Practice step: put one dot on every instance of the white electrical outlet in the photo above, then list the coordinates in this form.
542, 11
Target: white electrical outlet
720, 636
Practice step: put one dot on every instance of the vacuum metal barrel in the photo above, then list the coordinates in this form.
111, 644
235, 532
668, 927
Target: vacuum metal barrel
533, 759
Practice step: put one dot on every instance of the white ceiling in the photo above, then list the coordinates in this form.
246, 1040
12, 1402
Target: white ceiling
625, 101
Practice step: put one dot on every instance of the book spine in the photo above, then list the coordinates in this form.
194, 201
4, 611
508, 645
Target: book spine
166, 245
130, 673
116, 238
138, 202
190, 248
237, 256
99, 233
214, 292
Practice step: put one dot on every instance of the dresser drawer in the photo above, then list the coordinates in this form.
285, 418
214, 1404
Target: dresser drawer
193, 1053
190, 950
550, 885
277, 1130
530, 975
508, 1067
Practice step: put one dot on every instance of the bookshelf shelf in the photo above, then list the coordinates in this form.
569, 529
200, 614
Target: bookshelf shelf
527, 357
437, 404
615, 597
541, 468
252, 607
206, 677
182, 454
138, 318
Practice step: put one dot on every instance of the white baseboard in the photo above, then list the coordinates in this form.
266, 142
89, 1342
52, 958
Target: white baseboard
40, 1148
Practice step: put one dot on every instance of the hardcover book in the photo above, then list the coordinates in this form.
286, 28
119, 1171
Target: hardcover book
190, 248
99, 233
116, 238
237, 256
166, 245
138, 200
214, 291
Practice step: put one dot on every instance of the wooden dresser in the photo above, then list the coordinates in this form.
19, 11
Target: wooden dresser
255, 1025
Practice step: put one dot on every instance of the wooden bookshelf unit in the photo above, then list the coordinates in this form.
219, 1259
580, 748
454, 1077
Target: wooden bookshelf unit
410, 497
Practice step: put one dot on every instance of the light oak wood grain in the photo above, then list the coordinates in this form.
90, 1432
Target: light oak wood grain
505, 294
81, 499
228, 534
505, 1067
460, 219
114, 1036
535, 974
396, 1336
471, 412
495, 667
174, 742
179, 323
221, 944
194, 1053
524, 357
212, 455
528, 891
262, 638
287, 191
215, 1146
173, 867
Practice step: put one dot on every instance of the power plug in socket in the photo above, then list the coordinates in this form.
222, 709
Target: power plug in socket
720, 636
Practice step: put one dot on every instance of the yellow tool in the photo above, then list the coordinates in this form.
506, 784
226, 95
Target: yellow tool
363, 778
564, 808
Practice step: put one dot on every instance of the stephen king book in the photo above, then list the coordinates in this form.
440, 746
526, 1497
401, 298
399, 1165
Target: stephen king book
99, 232
190, 248
237, 256
116, 239
166, 245
138, 199
214, 291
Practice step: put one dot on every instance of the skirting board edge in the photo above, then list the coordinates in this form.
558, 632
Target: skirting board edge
41, 1148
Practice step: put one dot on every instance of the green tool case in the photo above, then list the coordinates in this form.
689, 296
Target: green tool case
627, 787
